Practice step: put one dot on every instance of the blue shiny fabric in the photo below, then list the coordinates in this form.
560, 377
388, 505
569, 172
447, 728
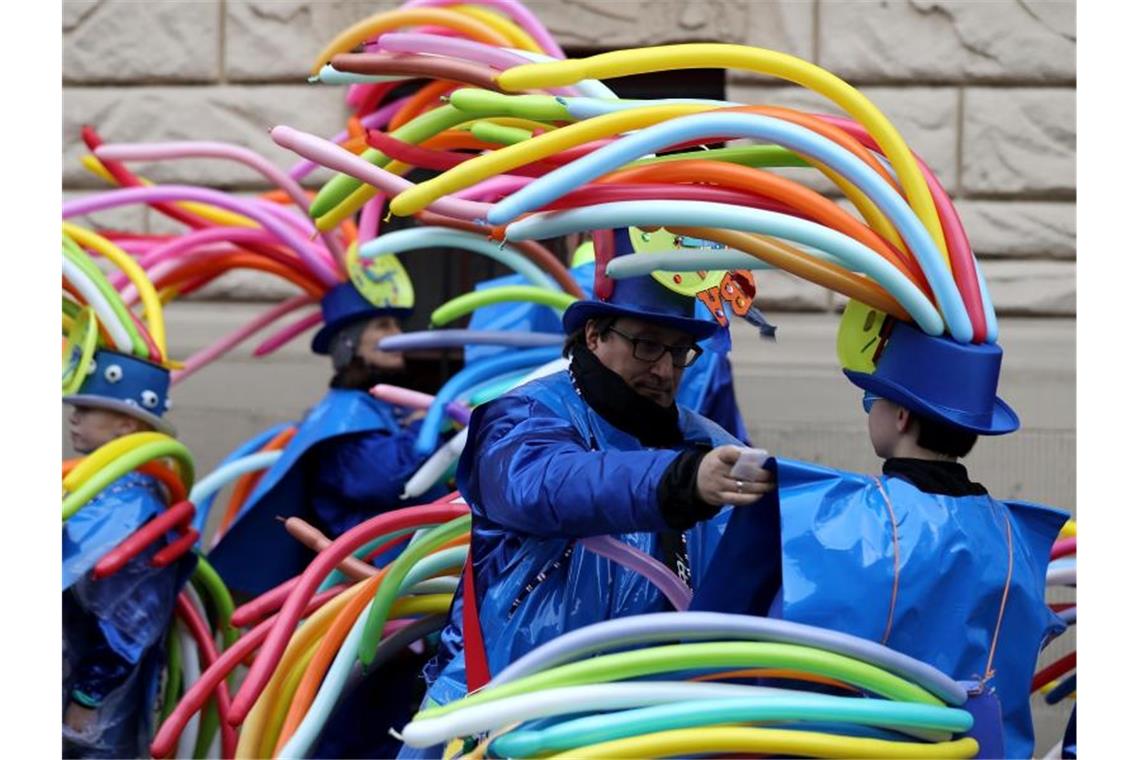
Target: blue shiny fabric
115, 513
541, 469
821, 551
348, 461
706, 386
113, 628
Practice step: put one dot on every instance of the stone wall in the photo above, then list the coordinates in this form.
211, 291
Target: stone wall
983, 90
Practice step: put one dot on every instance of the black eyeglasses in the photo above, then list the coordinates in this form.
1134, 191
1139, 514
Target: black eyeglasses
651, 350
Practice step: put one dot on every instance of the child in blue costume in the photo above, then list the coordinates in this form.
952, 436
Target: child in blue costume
349, 460
599, 449
113, 628
921, 559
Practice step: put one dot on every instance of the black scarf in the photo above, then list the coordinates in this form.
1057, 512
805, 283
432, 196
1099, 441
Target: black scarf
608, 394
359, 375
948, 478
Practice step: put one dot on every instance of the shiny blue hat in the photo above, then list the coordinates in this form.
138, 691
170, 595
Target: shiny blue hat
640, 298
121, 383
342, 306
954, 383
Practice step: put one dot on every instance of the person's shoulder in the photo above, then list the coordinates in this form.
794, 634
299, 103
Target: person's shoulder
133, 485
543, 395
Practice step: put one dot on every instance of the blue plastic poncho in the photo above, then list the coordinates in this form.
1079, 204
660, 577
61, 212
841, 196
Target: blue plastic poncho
113, 628
706, 386
540, 469
348, 461
822, 551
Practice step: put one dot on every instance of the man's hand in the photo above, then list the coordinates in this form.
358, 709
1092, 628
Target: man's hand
716, 486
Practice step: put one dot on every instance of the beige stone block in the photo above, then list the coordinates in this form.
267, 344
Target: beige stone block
948, 40
926, 117
1021, 228
1019, 141
777, 290
604, 24
129, 41
1032, 288
246, 285
278, 40
238, 115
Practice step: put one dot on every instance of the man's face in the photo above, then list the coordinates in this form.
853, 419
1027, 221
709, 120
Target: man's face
656, 380
376, 330
90, 427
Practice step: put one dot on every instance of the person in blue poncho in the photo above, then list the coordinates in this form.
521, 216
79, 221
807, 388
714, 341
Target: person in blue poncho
921, 558
599, 449
113, 628
351, 455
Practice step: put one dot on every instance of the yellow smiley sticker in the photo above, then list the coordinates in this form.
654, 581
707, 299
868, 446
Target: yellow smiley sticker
857, 340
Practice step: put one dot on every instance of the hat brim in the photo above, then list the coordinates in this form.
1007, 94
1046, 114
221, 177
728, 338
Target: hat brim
114, 405
580, 312
324, 337
1003, 420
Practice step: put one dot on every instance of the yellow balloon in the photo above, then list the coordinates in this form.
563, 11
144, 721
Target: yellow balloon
782, 65
375, 25
766, 741
518, 37
152, 306
108, 452
501, 161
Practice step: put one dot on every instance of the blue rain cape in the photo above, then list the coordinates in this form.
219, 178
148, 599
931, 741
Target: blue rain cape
348, 461
104, 522
113, 628
540, 469
821, 551
706, 387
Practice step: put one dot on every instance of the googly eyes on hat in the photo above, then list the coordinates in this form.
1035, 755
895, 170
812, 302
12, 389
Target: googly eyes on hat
113, 373
149, 399
92, 367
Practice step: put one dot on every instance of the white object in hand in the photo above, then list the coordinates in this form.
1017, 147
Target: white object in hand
750, 464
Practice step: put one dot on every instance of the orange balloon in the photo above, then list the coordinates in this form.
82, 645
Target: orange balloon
427, 98
792, 260
768, 184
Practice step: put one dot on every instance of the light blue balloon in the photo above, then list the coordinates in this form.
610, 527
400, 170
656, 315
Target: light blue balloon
595, 729
689, 260
421, 238
589, 87
548, 188
203, 506
212, 483
481, 371
854, 255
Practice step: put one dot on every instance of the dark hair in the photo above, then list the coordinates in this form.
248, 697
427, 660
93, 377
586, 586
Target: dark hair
942, 438
578, 337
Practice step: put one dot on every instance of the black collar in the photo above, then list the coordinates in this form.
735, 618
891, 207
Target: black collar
947, 478
607, 394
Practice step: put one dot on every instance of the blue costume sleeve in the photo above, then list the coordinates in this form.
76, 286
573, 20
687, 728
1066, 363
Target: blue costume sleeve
361, 475
535, 474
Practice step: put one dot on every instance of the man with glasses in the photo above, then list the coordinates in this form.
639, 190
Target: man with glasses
600, 449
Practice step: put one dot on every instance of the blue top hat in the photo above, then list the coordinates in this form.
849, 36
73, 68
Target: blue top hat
344, 305
127, 384
942, 379
640, 298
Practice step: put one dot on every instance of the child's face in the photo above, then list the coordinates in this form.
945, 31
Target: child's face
90, 427
883, 427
